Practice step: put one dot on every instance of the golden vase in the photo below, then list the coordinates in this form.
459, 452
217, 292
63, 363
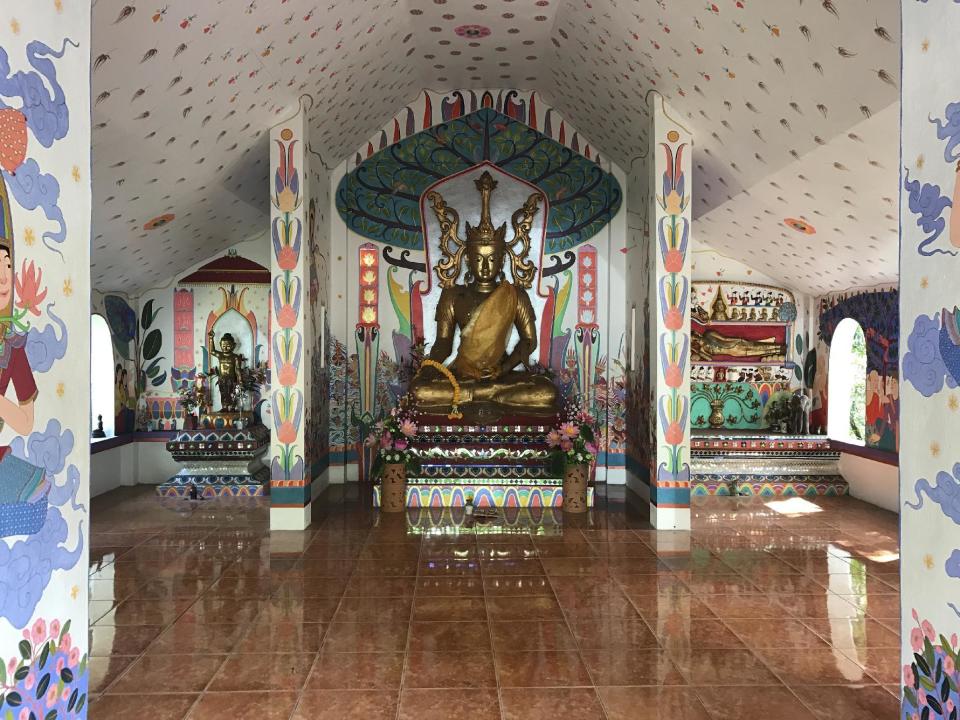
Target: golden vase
716, 414
393, 488
575, 479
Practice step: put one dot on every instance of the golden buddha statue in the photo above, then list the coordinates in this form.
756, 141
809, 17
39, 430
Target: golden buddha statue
485, 309
228, 370
706, 345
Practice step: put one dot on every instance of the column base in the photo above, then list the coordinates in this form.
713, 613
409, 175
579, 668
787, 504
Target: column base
670, 518
290, 518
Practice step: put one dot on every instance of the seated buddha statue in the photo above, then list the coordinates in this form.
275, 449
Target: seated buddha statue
485, 310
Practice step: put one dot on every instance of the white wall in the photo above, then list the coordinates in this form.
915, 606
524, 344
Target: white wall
144, 462
871, 481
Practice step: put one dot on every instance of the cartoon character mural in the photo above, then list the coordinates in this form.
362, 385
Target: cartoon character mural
43, 237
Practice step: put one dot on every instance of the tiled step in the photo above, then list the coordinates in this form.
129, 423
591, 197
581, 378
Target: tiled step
484, 495
768, 485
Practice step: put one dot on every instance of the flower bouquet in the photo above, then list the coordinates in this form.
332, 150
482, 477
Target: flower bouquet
392, 436
573, 451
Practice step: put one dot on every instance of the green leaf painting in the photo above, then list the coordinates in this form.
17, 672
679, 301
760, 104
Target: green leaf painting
380, 198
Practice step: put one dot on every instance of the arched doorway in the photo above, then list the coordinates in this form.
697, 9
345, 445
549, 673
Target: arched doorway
846, 378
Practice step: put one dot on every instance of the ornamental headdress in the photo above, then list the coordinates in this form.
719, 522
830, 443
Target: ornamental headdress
484, 235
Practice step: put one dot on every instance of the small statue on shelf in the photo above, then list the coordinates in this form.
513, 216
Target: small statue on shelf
800, 412
228, 370
98, 431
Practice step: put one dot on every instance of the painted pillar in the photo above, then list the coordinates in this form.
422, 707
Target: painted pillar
290, 492
669, 160
930, 360
45, 141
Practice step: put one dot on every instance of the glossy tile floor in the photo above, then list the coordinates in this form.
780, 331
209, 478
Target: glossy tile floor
784, 609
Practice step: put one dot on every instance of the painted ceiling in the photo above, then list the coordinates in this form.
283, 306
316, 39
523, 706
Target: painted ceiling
185, 92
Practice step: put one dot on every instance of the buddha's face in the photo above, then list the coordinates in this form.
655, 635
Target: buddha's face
226, 345
485, 262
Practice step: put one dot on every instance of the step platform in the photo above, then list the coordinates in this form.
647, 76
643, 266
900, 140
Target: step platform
219, 462
502, 464
765, 465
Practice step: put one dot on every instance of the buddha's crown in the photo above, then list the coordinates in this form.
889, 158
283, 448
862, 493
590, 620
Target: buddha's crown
485, 233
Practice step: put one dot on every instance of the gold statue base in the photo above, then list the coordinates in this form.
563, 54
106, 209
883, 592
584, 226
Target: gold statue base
226, 419
487, 413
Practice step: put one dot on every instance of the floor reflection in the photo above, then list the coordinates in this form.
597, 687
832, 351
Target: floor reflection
789, 602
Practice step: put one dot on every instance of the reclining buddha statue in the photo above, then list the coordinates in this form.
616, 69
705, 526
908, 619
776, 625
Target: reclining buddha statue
484, 380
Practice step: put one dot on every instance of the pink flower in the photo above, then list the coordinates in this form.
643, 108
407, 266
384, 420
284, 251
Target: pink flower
28, 289
54, 629
950, 706
385, 440
673, 376
66, 643
60, 662
408, 428
673, 261
24, 714
953, 640
287, 258
916, 617
29, 681
568, 429
566, 444
39, 631
400, 444
928, 630
591, 448
372, 440
553, 438
74, 657
287, 317
12, 666
673, 434
908, 676
673, 320
949, 665
916, 639
921, 697
52, 696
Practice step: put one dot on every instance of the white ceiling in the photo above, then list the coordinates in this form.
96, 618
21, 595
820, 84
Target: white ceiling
772, 89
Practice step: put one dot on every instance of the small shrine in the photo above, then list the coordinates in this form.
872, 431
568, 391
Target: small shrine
220, 450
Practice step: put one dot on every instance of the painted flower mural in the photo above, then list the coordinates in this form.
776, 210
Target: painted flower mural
287, 229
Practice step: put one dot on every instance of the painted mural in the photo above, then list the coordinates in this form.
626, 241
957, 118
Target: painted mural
515, 133
44, 360
929, 399
878, 313
670, 165
741, 335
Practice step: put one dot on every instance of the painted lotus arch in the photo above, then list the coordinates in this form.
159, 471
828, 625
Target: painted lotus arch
380, 198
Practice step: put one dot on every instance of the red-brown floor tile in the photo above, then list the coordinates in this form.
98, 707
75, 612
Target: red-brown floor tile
723, 667
821, 666
107, 640
851, 702
786, 634
124, 707
347, 705
695, 634
523, 608
631, 666
455, 704
356, 671
168, 673
276, 671
449, 670
553, 703
449, 636
528, 567
293, 609
738, 703
540, 668
515, 636
282, 637
366, 637
359, 586
104, 670
883, 664
437, 586
307, 586
516, 585
655, 703
455, 609
190, 638
858, 632
373, 610
613, 632
244, 706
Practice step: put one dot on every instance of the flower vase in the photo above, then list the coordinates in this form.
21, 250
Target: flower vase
393, 488
575, 488
190, 422
716, 413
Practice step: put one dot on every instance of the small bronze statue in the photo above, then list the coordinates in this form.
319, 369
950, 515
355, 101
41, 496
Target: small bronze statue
228, 372
98, 431
800, 412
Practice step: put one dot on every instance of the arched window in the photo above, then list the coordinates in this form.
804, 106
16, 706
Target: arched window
101, 375
847, 383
